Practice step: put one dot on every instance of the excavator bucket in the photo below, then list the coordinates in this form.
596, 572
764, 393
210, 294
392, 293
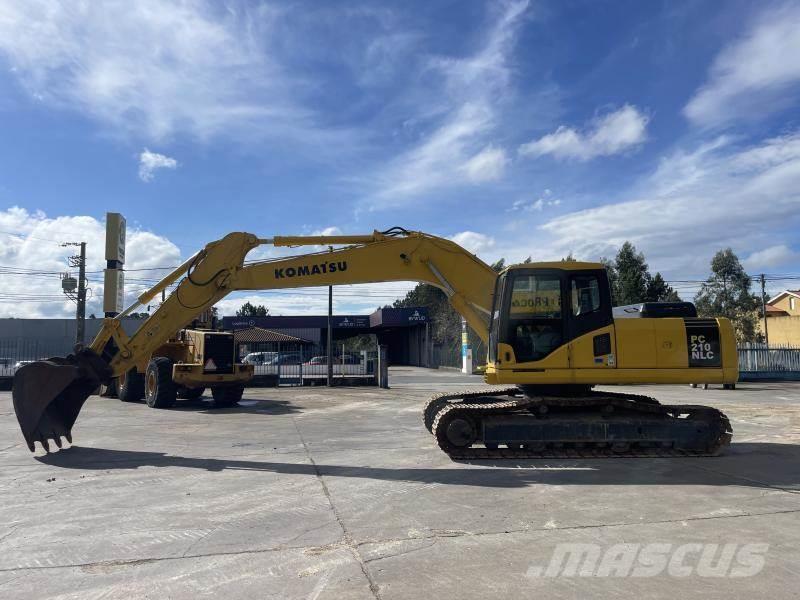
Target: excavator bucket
49, 394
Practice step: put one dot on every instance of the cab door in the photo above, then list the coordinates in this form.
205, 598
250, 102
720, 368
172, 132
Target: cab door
589, 321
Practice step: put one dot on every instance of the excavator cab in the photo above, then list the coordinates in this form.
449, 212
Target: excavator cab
538, 311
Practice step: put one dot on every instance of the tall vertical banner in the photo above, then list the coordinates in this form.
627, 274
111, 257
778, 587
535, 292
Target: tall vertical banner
114, 276
466, 350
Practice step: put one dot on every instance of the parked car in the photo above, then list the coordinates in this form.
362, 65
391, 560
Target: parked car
259, 358
347, 359
317, 360
286, 358
21, 363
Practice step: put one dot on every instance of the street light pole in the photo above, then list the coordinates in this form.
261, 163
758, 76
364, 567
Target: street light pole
764, 310
329, 344
330, 336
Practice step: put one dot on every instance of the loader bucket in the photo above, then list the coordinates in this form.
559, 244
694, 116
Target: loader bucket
49, 394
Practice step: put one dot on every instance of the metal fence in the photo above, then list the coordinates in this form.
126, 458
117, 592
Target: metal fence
293, 364
14, 352
772, 360
307, 364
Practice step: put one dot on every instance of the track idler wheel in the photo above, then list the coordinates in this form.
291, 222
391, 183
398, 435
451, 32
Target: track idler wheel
456, 429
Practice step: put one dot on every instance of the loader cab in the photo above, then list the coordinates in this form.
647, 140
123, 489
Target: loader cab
538, 308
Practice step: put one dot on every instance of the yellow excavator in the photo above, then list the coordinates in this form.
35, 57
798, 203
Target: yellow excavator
550, 329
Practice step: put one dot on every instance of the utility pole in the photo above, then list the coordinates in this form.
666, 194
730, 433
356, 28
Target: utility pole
329, 345
80, 313
724, 294
764, 310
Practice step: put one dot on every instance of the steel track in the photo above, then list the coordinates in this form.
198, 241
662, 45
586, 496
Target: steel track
442, 408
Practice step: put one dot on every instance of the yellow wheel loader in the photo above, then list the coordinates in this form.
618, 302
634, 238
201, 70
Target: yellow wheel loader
550, 329
183, 367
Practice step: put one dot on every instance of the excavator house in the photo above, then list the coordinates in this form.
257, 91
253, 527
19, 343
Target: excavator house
550, 329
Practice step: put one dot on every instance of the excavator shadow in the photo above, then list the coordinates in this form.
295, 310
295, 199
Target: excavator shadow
756, 464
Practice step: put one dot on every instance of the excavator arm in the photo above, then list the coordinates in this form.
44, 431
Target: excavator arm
48, 395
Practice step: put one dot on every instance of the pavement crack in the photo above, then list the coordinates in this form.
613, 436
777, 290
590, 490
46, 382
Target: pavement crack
11, 531
126, 562
347, 538
433, 539
459, 534
198, 540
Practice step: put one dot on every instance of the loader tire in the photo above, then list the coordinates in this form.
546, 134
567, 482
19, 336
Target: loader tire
225, 397
159, 389
130, 386
190, 393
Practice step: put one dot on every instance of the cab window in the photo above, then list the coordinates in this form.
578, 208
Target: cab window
535, 326
585, 295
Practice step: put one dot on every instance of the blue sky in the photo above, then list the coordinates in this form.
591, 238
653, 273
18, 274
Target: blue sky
516, 128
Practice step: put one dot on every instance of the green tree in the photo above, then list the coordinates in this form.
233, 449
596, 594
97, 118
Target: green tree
528, 260
252, 310
657, 290
727, 293
611, 270
631, 275
499, 265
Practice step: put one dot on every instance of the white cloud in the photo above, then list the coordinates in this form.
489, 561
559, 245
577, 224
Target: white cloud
746, 198
754, 76
488, 165
538, 205
458, 150
149, 162
774, 256
153, 69
473, 241
347, 299
609, 134
36, 248
327, 231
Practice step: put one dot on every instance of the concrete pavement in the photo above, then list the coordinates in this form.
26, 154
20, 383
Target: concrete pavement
311, 493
